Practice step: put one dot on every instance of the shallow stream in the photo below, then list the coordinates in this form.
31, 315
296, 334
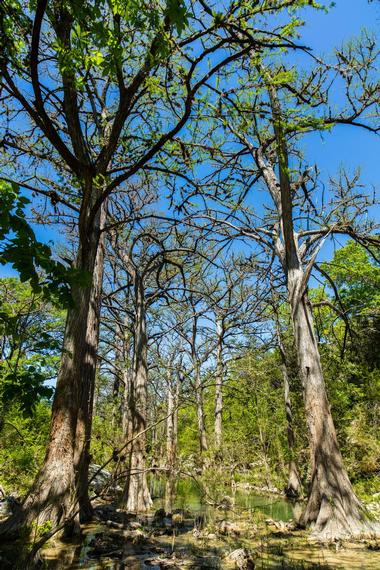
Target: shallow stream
203, 538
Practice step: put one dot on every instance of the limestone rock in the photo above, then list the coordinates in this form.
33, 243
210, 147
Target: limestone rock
242, 559
228, 528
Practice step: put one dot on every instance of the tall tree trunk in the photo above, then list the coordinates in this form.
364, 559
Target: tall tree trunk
219, 387
171, 442
333, 509
53, 494
118, 378
127, 374
82, 455
136, 491
203, 446
294, 486
125, 406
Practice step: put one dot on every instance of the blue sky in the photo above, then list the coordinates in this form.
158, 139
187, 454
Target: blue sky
353, 148
323, 32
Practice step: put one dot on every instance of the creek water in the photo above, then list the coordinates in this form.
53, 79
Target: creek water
191, 498
162, 545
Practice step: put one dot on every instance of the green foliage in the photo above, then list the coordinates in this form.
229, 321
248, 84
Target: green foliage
354, 393
31, 336
106, 437
11, 15
26, 386
97, 41
188, 432
357, 277
176, 12
22, 447
40, 529
254, 419
29, 257
255, 447
350, 355
254, 424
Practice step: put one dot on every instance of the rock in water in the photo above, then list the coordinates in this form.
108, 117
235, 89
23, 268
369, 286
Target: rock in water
177, 520
159, 515
228, 528
135, 525
102, 479
242, 559
8, 506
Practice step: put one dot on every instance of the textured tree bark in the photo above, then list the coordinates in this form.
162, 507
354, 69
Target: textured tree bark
125, 405
118, 378
136, 493
82, 455
203, 445
53, 493
171, 443
333, 510
219, 387
294, 487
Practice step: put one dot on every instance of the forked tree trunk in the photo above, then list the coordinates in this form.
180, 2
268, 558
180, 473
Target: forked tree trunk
171, 443
333, 510
219, 387
136, 492
53, 494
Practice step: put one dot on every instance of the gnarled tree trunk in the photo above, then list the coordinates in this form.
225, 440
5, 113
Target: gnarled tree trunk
53, 495
136, 492
333, 510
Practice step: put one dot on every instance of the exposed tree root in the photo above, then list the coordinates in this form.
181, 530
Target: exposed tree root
334, 512
49, 501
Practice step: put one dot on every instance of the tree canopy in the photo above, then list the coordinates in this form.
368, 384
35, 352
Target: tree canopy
191, 284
